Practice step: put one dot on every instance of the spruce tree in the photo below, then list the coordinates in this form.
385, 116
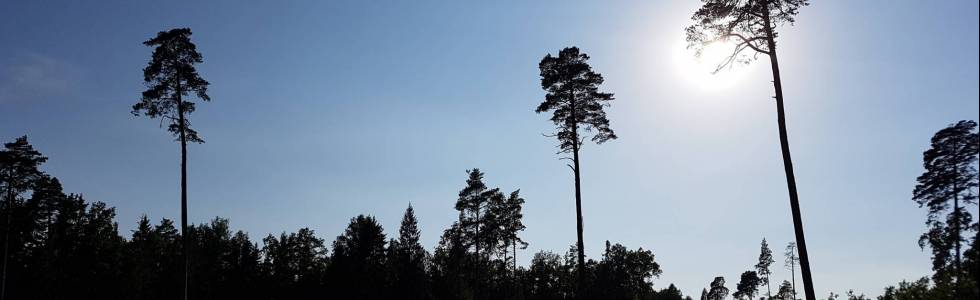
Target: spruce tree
407, 260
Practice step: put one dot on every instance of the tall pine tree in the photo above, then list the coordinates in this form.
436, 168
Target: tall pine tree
762, 268
577, 104
947, 189
751, 25
170, 77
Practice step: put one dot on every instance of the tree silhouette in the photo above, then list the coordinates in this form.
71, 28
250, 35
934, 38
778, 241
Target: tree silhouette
243, 261
407, 260
971, 260
785, 291
752, 25
548, 277
948, 188
507, 222
64, 247
765, 260
747, 285
19, 164
718, 291
151, 267
790, 263
473, 204
226, 264
450, 262
357, 264
294, 265
915, 290
489, 223
624, 273
169, 77
573, 96
670, 293
83, 252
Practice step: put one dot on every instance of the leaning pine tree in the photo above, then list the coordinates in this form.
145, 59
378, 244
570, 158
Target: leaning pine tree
948, 189
751, 25
170, 78
573, 96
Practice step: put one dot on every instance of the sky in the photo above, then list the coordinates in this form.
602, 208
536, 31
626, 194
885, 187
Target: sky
323, 110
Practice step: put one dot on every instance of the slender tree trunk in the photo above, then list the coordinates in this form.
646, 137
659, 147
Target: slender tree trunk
768, 288
792, 273
956, 238
580, 243
6, 242
514, 243
578, 213
794, 200
183, 192
476, 240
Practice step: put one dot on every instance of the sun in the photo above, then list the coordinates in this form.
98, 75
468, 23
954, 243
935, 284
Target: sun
700, 72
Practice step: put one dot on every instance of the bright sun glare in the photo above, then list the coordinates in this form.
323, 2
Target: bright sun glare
698, 71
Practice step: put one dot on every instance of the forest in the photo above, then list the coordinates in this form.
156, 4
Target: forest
62, 246
58, 244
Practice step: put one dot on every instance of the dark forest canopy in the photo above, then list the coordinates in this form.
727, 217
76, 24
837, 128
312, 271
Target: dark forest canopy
63, 246
66, 247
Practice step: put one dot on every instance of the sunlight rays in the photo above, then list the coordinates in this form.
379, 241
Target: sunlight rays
700, 72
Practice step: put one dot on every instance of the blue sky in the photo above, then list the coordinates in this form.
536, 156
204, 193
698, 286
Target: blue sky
325, 110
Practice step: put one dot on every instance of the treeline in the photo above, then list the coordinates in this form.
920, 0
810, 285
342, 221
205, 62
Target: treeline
59, 246
62, 246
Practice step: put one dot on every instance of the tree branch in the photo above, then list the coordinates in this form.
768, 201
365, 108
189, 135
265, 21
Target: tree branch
747, 41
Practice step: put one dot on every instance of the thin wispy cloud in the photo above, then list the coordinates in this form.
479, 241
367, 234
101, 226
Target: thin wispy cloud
33, 76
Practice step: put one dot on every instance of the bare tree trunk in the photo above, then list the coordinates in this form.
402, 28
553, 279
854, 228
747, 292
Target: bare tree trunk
794, 200
956, 237
183, 192
578, 212
476, 239
514, 243
768, 288
792, 272
580, 244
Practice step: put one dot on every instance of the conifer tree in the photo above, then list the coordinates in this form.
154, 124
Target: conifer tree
358, 260
747, 286
947, 189
790, 263
718, 290
474, 206
577, 104
19, 170
762, 268
408, 260
752, 25
170, 77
